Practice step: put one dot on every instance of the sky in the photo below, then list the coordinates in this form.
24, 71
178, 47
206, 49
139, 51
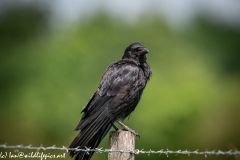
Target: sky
174, 12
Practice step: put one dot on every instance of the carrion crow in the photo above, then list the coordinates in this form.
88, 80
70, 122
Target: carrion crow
117, 96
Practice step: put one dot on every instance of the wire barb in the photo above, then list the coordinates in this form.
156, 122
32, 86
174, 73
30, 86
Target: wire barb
136, 151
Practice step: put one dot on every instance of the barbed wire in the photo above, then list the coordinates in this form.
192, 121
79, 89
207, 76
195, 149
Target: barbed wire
135, 151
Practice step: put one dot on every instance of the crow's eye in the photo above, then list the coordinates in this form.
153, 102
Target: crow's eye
139, 49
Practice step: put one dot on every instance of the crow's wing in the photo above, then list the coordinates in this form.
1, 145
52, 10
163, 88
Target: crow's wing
118, 78
116, 82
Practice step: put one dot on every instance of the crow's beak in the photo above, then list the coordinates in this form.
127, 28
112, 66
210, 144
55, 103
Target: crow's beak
143, 52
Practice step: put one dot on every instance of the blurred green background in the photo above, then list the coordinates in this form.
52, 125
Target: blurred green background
48, 73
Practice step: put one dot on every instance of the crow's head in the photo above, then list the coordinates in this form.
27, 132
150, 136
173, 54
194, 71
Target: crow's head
135, 51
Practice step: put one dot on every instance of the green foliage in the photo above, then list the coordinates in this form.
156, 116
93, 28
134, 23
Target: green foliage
189, 103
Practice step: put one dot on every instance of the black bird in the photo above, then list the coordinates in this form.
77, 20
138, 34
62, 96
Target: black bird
117, 96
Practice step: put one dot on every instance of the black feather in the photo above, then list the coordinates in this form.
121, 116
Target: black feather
117, 96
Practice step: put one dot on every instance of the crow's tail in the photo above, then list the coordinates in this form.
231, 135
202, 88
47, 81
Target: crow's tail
89, 137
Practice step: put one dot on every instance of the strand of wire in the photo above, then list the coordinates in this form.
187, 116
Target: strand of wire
135, 151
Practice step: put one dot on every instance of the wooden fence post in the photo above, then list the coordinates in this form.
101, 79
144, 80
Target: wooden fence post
121, 140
